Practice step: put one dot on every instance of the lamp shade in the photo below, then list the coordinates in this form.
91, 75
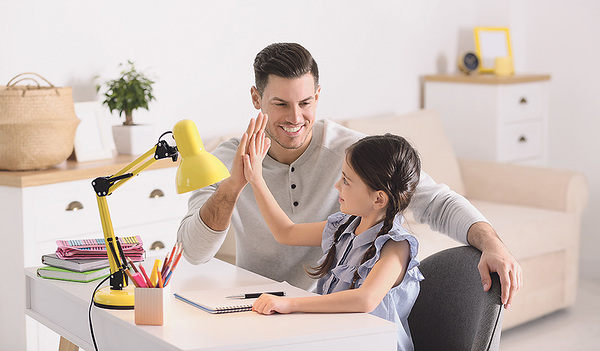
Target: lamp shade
197, 168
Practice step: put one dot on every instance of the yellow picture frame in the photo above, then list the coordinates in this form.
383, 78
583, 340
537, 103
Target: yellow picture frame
491, 42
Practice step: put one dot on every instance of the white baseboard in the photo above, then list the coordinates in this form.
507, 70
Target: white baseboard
588, 266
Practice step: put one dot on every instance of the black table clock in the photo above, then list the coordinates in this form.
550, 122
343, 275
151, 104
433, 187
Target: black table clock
468, 63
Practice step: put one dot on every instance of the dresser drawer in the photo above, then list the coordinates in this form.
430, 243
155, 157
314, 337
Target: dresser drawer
162, 233
150, 197
519, 102
61, 210
520, 141
70, 209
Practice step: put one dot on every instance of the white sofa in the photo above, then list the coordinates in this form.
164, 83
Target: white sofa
536, 211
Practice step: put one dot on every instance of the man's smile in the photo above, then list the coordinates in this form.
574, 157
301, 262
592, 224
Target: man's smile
292, 129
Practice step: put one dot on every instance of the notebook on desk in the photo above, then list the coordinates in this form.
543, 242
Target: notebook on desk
217, 301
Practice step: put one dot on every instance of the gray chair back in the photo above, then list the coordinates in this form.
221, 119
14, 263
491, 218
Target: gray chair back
452, 311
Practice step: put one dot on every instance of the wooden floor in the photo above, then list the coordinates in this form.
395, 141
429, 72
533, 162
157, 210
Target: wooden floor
575, 328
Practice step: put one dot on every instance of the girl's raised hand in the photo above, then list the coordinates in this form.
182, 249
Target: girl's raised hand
258, 146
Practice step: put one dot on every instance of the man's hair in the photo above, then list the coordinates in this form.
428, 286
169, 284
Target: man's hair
286, 60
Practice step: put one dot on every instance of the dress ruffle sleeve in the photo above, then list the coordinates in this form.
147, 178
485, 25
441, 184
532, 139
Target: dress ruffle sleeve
396, 235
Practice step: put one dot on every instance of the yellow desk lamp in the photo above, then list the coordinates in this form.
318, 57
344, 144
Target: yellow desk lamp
197, 169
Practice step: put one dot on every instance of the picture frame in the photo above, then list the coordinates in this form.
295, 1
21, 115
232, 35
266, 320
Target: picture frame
93, 138
491, 42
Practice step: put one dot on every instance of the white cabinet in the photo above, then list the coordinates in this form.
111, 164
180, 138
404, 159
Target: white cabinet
502, 119
38, 208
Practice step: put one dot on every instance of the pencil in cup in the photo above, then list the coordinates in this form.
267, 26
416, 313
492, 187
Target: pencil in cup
168, 277
148, 282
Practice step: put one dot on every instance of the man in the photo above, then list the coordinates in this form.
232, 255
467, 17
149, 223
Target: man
302, 166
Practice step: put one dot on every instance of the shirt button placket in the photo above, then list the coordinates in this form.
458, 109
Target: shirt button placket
293, 186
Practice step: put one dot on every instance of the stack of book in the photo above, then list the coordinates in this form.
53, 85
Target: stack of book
85, 260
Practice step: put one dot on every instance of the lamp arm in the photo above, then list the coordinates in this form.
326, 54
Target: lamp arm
104, 186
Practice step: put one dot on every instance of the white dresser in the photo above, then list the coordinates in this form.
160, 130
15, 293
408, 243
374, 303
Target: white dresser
492, 118
40, 207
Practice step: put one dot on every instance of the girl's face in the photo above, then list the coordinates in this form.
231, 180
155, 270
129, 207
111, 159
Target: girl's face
356, 198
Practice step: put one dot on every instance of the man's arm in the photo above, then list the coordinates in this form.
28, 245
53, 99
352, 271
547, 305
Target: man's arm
443, 210
450, 213
217, 210
495, 257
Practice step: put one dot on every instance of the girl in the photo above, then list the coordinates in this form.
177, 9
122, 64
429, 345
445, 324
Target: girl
369, 263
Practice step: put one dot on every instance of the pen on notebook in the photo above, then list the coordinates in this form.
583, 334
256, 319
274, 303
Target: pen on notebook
255, 295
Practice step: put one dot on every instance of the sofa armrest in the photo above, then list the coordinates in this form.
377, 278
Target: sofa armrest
547, 188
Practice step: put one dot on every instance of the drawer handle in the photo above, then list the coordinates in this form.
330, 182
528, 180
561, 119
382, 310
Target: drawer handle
522, 139
74, 206
523, 101
157, 245
156, 193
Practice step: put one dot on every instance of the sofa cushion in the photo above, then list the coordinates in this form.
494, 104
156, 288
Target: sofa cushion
527, 231
530, 231
425, 131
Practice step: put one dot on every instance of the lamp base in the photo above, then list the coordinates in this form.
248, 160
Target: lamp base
115, 299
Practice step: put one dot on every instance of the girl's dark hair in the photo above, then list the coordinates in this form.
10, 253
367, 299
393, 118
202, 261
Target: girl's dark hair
387, 163
286, 60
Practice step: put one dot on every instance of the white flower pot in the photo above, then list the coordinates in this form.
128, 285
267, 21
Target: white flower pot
135, 139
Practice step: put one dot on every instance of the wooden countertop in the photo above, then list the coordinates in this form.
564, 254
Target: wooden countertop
486, 78
72, 170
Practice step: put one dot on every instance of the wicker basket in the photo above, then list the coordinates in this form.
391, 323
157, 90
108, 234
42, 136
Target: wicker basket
37, 125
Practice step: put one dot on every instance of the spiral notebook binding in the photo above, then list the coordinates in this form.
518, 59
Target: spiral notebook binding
231, 309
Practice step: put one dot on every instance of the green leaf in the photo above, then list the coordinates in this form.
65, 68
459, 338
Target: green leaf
132, 90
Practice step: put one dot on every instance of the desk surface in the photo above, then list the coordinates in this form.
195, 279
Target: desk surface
63, 307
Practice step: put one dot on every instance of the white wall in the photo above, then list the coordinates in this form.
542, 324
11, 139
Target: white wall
371, 57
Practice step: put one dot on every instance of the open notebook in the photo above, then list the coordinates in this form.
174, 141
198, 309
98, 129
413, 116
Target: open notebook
216, 301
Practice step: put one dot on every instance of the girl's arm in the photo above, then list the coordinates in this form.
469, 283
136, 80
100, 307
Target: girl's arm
284, 230
386, 273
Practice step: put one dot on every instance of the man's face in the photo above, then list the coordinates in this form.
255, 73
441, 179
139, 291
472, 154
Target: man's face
291, 106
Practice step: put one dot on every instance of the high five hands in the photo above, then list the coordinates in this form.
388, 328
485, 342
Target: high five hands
255, 127
256, 145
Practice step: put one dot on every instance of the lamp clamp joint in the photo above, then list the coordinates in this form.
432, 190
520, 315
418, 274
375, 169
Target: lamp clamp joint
102, 185
164, 150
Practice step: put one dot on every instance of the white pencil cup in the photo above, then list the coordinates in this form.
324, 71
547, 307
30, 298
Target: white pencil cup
152, 305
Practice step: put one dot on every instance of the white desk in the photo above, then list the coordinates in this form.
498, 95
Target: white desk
63, 307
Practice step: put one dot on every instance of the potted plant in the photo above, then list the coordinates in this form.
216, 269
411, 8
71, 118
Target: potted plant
131, 91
